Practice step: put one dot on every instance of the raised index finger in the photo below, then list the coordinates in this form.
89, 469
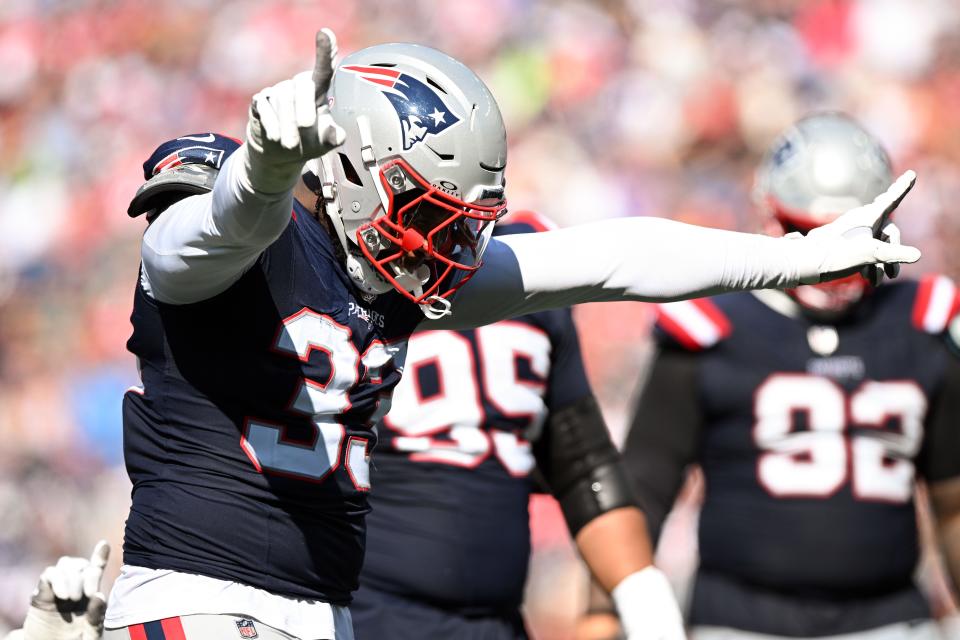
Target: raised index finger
323, 65
93, 573
101, 552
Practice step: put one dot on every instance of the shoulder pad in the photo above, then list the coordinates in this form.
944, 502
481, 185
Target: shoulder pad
179, 168
693, 324
936, 304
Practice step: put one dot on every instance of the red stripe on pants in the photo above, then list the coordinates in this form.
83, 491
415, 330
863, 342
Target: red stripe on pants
137, 632
173, 629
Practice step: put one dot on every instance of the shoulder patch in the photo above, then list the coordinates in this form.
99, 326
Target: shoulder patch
936, 304
695, 324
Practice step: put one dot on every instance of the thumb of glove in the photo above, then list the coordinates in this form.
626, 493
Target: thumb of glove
96, 610
93, 618
43, 597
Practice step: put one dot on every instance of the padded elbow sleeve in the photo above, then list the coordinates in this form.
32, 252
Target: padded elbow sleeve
604, 489
581, 465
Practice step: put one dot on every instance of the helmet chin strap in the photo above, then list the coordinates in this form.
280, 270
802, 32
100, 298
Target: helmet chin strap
323, 168
363, 275
436, 307
370, 160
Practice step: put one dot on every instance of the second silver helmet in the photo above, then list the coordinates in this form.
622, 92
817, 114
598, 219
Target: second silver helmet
820, 167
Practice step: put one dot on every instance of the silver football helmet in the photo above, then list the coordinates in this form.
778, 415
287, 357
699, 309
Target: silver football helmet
823, 165
415, 190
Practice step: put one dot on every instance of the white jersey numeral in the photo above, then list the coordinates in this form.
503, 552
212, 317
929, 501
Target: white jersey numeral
267, 445
884, 467
456, 411
501, 347
817, 461
358, 462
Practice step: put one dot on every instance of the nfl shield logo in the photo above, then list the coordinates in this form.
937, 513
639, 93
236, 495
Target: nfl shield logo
246, 628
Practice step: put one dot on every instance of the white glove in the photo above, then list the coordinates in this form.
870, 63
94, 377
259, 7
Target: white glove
647, 608
67, 603
862, 239
290, 123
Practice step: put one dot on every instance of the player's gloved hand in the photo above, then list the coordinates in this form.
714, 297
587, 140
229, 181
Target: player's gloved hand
874, 273
290, 123
647, 608
862, 239
67, 603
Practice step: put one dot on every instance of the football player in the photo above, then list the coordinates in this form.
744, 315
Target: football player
811, 412
448, 536
271, 315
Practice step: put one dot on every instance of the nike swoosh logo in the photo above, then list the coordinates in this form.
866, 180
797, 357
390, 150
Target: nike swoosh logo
207, 138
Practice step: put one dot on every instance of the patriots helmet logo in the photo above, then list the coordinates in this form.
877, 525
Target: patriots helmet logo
419, 107
784, 151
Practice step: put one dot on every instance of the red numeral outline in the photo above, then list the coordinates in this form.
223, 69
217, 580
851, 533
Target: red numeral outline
791, 411
302, 389
282, 438
848, 439
475, 361
366, 457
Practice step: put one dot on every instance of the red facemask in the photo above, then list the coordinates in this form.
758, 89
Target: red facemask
834, 298
428, 227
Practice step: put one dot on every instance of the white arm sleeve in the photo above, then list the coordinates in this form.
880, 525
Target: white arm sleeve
646, 259
202, 244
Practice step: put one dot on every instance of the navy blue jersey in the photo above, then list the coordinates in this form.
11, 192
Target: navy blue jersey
377, 615
449, 524
810, 439
810, 458
248, 446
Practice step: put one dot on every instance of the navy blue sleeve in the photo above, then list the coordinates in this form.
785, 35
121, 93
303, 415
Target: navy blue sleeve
567, 382
664, 436
939, 460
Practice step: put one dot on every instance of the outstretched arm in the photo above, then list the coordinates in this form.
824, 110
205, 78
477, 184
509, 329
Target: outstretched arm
652, 259
201, 245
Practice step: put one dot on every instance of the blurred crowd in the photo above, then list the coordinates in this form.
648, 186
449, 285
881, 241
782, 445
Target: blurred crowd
613, 108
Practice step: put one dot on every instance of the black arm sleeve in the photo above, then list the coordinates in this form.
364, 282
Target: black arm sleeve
940, 457
664, 434
580, 465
